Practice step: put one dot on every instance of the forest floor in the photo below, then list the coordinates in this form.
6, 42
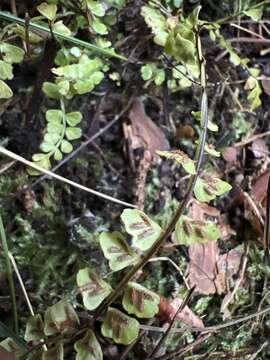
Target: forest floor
53, 229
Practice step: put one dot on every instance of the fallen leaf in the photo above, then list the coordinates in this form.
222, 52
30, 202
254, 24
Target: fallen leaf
148, 135
259, 187
198, 210
227, 265
205, 257
230, 154
168, 308
6, 355
259, 148
266, 84
202, 267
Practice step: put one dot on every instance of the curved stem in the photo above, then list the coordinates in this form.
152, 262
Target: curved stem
192, 181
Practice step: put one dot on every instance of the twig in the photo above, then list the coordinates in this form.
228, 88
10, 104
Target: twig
208, 328
170, 327
86, 143
164, 236
9, 276
246, 30
249, 40
6, 166
259, 350
253, 207
189, 347
61, 178
13, 262
251, 139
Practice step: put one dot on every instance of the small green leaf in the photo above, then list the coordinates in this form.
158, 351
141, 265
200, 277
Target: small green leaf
6, 70
117, 250
73, 133
121, 328
47, 10
51, 90
66, 147
147, 72
58, 156
63, 87
157, 22
11, 54
88, 348
82, 70
47, 146
41, 160
99, 27
189, 231
95, 7
54, 115
34, 328
93, 289
55, 127
143, 230
39, 157
140, 301
211, 125
5, 90
210, 149
254, 96
208, 188
181, 44
254, 14
181, 158
74, 118
55, 353
159, 77
51, 138
60, 318
61, 28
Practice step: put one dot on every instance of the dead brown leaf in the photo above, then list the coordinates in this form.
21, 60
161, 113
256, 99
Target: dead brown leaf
202, 267
6, 355
147, 134
259, 187
227, 265
266, 84
230, 155
168, 308
198, 210
259, 148
205, 257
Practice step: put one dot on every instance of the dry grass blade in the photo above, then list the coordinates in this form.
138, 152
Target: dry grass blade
61, 178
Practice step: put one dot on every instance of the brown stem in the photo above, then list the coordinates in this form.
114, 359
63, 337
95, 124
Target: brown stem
164, 236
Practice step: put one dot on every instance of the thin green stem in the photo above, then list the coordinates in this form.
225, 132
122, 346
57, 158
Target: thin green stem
241, 12
107, 52
9, 276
